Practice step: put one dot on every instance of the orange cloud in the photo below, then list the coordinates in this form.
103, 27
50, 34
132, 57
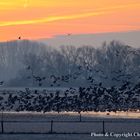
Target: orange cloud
98, 12
50, 19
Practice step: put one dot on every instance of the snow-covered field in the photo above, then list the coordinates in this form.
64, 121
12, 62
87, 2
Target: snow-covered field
92, 122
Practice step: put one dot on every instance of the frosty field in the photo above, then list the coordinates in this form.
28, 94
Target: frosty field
67, 126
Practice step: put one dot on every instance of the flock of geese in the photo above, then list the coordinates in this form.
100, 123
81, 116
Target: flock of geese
97, 98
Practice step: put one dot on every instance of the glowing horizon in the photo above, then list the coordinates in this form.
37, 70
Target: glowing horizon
45, 18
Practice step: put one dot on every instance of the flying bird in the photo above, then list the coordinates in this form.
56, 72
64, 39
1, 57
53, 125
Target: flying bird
69, 34
1, 83
28, 68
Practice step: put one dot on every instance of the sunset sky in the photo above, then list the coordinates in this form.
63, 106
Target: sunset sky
35, 19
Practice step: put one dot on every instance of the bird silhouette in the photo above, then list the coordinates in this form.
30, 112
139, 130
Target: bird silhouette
28, 68
19, 37
1, 83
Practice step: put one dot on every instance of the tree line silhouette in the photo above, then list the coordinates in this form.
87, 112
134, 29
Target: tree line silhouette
34, 64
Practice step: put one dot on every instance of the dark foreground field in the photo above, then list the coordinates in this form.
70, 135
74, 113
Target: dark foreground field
60, 137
